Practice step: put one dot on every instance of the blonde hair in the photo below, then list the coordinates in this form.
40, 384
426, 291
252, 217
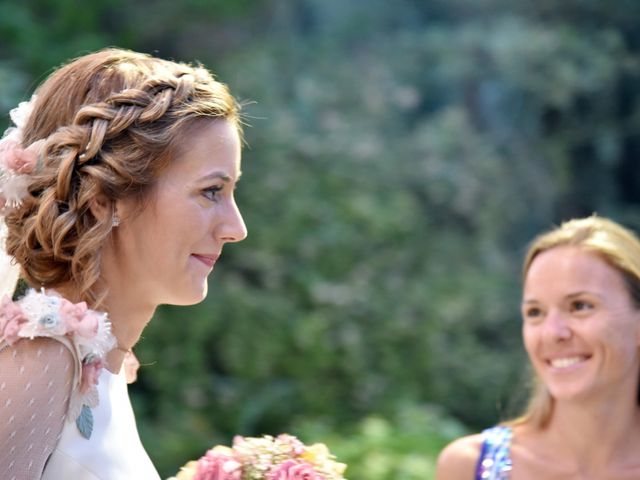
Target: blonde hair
617, 246
112, 121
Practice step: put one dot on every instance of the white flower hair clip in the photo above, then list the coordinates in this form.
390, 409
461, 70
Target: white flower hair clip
16, 162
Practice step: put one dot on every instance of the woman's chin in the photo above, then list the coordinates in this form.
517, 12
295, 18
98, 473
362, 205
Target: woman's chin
191, 297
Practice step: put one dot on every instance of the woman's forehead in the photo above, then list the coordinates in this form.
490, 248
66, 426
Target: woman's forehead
570, 267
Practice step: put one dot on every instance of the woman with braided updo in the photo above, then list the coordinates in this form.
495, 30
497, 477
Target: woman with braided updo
116, 195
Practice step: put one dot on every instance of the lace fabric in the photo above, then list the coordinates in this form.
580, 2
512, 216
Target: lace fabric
36, 381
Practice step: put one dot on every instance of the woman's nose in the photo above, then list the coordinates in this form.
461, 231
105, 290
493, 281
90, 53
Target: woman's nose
232, 228
557, 326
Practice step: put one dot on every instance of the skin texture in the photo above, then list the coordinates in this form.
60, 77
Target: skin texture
581, 331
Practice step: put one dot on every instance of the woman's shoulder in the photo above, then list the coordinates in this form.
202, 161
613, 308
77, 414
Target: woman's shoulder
45, 336
30, 367
36, 383
46, 354
458, 460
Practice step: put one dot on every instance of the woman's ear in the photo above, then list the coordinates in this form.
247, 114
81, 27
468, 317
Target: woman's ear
101, 208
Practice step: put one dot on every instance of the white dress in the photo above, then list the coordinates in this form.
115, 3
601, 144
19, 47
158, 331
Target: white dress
113, 451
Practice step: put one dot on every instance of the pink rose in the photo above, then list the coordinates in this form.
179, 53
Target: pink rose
10, 332
218, 466
72, 311
8, 146
294, 470
90, 375
11, 319
297, 447
78, 318
9, 309
17, 159
89, 325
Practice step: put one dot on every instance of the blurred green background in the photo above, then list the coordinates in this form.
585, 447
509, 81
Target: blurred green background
400, 155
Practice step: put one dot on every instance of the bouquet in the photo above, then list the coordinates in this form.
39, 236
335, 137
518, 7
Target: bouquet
265, 458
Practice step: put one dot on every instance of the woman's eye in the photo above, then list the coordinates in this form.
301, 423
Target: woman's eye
581, 305
211, 192
532, 313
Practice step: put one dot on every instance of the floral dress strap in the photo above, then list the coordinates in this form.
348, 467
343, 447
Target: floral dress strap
494, 462
84, 332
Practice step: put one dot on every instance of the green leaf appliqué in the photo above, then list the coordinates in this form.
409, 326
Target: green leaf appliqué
85, 422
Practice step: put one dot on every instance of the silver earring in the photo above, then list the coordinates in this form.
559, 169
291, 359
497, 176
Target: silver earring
115, 220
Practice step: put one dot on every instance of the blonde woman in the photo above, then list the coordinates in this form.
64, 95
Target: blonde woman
117, 191
581, 331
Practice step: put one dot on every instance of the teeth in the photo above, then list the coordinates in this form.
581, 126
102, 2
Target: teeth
566, 362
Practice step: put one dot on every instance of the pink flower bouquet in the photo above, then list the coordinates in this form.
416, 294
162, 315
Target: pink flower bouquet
265, 458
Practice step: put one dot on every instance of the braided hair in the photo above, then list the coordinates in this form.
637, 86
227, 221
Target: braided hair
112, 122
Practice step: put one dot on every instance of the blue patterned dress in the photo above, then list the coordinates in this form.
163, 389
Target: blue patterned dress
494, 462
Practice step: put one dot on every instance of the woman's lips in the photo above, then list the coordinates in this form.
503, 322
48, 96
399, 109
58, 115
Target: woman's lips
567, 362
208, 260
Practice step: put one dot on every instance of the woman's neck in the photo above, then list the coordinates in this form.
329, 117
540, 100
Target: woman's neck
596, 436
128, 317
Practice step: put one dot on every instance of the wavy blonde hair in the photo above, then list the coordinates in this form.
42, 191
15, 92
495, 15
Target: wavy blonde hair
617, 246
112, 121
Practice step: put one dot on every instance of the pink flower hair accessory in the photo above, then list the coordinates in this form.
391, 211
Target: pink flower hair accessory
17, 159
17, 162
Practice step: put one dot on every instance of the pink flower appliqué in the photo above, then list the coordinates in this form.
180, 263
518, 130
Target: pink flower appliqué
294, 470
218, 465
11, 319
78, 319
90, 374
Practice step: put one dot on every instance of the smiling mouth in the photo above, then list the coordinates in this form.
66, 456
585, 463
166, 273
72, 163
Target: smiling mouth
566, 362
208, 260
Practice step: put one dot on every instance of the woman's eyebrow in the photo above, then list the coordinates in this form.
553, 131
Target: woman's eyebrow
215, 175
221, 175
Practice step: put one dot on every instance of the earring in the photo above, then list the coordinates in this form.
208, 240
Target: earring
115, 220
